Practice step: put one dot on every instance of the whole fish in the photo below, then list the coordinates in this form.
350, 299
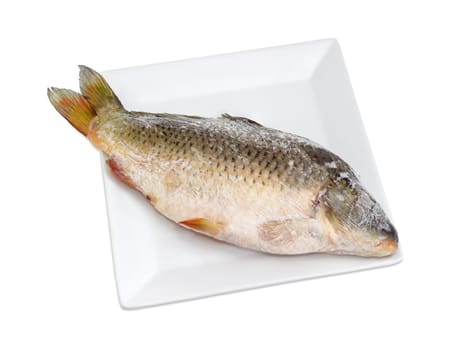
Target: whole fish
231, 178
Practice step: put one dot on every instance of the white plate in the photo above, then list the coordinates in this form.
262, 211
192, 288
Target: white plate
303, 89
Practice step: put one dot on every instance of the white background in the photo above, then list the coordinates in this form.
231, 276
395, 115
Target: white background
57, 288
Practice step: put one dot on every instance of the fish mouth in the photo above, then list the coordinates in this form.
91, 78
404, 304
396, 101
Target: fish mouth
388, 246
392, 234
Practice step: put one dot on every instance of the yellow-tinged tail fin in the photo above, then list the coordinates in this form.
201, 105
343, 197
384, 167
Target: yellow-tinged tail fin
100, 95
72, 106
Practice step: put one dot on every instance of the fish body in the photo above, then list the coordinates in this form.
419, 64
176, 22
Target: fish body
231, 178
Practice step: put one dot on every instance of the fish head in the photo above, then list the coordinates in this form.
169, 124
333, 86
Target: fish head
358, 223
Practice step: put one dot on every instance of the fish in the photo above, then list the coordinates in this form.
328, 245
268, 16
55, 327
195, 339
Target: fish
231, 178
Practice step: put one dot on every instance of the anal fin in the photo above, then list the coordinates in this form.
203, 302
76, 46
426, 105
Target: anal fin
119, 173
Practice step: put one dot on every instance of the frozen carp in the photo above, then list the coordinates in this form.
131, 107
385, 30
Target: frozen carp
231, 178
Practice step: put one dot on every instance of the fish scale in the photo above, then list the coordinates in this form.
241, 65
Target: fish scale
273, 159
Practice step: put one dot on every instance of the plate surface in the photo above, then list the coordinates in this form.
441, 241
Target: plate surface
303, 89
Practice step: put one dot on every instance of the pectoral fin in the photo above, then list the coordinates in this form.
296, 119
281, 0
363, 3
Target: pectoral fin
283, 232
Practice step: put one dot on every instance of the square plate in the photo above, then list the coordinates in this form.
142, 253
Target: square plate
302, 89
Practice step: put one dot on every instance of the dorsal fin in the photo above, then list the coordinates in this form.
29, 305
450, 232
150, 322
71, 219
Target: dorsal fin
99, 94
170, 115
240, 119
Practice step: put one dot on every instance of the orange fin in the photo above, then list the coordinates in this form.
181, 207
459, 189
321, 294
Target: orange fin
119, 173
204, 225
95, 88
73, 107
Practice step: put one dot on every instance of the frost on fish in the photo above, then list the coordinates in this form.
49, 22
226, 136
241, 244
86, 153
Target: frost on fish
237, 181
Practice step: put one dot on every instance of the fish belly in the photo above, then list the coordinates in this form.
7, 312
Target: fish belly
265, 216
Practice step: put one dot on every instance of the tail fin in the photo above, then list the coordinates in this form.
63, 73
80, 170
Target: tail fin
99, 94
72, 106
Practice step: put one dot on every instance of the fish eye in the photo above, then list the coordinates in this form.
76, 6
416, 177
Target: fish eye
344, 179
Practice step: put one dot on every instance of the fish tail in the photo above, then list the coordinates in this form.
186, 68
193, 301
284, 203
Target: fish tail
99, 94
73, 107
